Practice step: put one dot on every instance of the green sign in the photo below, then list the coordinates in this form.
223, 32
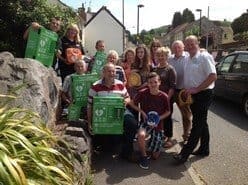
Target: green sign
99, 62
80, 87
108, 115
41, 45
74, 112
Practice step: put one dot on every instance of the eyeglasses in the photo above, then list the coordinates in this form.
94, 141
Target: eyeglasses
155, 46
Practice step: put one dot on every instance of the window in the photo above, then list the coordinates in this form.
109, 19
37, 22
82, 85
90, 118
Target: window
225, 65
241, 64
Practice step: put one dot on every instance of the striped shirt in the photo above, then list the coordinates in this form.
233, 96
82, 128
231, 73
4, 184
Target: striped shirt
100, 89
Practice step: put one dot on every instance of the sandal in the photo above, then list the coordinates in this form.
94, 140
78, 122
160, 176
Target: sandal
168, 144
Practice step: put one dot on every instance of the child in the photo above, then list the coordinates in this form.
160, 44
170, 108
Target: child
158, 102
67, 96
66, 91
99, 59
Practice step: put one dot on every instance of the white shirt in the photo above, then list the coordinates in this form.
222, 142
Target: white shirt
179, 65
197, 69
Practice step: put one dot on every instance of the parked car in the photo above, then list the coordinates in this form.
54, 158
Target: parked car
232, 78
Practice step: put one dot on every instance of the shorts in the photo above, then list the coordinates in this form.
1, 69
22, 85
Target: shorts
156, 140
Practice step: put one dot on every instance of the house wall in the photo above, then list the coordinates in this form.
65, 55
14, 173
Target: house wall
103, 27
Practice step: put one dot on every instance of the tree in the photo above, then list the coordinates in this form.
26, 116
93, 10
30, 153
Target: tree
240, 24
188, 16
177, 19
15, 16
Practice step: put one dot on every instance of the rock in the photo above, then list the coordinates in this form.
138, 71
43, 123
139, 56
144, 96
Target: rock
40, 86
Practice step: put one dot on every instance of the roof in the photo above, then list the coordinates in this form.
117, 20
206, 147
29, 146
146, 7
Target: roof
59, 3
104, 8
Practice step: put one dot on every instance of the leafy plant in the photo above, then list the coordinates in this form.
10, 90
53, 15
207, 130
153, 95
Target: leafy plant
27, 150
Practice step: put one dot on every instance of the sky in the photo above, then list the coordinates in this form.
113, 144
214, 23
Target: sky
156, 13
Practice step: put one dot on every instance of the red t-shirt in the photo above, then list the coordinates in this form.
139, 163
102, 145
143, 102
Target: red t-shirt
149, 102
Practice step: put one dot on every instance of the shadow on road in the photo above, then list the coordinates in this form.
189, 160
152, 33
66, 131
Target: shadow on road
119, 170
230, 112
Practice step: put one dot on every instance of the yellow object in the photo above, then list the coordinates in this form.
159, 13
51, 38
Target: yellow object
188, 100
134, 79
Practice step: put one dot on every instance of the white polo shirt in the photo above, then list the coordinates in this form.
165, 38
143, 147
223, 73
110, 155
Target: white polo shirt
197, 69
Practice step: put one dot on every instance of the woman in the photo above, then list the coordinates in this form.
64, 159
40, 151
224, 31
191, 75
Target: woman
153, 47
141, 66
113, 57
168, 83
69, 50
128, 61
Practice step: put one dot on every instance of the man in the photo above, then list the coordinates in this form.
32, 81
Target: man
177, 60
199, 77
107, 86
54, 26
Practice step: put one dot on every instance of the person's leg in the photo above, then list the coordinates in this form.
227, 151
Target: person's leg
186, 118
156, 143
143, 163
130, 129
142, 142
168, 128
204, 140
199, 110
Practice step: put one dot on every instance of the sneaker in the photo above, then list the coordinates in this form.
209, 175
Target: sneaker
144, 163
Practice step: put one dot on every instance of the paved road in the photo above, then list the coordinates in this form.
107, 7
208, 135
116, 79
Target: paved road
227, 163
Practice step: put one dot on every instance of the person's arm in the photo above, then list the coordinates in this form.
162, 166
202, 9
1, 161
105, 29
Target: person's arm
164, 115
138, 109
66, 98
209, 80
172, 80
89, 117
34, 26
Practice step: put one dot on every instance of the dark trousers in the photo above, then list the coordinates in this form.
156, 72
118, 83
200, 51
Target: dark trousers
130, 129
168, 123
199, 131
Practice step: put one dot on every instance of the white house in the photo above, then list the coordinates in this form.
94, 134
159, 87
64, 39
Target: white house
103, 26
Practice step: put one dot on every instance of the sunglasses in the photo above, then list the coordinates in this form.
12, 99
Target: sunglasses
73, 31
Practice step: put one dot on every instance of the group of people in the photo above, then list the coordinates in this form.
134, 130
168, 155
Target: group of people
163, 76
188, 69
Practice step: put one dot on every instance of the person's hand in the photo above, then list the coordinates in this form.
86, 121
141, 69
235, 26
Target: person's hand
90, 130
35, 25
190, 91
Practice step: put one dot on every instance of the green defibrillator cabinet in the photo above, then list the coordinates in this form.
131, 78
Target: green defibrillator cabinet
108, 115
80, 86
41, 45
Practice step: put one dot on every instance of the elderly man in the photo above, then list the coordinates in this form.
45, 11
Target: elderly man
107, 86
199, 77
178, 60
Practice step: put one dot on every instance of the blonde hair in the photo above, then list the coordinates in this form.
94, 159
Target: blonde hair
164, 50
80, 61
74, 27
113, 53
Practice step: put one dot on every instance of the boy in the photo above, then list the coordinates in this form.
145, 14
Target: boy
158, 101
99, 59
67, 94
